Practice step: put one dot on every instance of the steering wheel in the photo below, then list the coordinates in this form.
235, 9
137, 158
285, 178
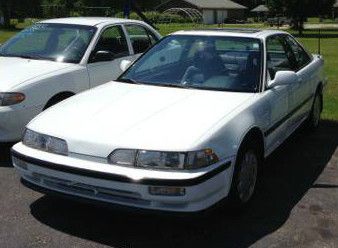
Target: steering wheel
191, 76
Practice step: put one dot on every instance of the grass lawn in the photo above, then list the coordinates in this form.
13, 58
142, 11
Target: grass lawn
6, 34
315, 20
329, 46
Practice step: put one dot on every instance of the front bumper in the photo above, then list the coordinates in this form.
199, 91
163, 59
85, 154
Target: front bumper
123, 186
13, 121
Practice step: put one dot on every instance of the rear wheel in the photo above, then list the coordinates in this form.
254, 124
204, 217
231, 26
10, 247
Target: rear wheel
245, 175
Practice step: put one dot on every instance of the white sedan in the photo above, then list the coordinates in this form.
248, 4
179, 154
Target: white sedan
55, 59
187, 125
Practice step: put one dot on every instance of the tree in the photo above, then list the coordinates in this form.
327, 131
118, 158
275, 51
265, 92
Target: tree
18, 9
299, 10
6, 7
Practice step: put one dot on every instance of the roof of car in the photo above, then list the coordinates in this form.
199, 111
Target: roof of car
236, 32
88, 21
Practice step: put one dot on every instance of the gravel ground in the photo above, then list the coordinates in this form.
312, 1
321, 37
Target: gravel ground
295, 206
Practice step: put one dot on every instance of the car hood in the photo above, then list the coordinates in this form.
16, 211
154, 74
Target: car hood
14, 71
121, 115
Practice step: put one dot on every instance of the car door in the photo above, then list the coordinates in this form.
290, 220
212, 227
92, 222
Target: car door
104, 62
280, 98
141, 38
305, 73
302, 92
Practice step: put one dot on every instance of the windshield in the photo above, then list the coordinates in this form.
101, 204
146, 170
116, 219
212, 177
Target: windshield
201, 62
56, 42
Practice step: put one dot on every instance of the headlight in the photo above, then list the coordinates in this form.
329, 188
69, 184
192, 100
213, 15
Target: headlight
163, 160
45, 143
7, 99
122, 157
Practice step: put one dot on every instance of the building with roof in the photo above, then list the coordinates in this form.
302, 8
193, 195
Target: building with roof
260, 9
261, 12
213, 11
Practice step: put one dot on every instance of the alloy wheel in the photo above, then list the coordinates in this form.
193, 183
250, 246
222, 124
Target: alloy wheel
247, 176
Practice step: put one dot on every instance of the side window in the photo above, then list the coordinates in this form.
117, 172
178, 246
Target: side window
140, 38
153, 37
279, 57
301, 56
114, 41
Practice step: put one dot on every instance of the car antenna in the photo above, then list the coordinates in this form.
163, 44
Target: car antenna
319, 28
319, 41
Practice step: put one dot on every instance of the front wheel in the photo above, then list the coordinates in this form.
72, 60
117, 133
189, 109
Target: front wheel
245, 176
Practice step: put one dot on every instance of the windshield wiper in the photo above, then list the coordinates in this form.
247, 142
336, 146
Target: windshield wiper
183, 86
129, 81
132, 81
35, 57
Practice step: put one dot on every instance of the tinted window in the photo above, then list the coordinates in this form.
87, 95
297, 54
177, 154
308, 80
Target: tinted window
141, 39
113, 40
301, 56
170, 54
279, 56
201, 62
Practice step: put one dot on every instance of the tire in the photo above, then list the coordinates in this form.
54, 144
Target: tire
245, 176
313, 121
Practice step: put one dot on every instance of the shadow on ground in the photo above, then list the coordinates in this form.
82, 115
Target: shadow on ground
290, 173
5, 154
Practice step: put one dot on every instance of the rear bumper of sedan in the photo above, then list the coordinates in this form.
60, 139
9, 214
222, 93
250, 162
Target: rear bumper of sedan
196, 190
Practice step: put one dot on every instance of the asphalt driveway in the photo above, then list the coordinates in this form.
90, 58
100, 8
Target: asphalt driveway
296, 205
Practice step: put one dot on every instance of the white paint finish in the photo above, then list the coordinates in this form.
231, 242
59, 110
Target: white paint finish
123, 111
208, 16
197, 197
260, 34
16, 71
102, 72
221, 15
15, 119
91, 21
41, 80
120, 115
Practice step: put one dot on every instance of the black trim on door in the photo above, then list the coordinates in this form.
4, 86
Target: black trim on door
288, 116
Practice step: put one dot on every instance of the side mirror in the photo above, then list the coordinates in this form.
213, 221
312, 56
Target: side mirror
284, 78
125, 64
101, 56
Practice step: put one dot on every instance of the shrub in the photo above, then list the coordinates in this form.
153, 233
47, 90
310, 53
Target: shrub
157, 17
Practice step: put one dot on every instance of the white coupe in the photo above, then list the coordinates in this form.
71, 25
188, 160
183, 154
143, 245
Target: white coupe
187, 125
55, 59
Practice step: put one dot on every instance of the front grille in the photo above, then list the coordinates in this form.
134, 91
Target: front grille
85, 190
